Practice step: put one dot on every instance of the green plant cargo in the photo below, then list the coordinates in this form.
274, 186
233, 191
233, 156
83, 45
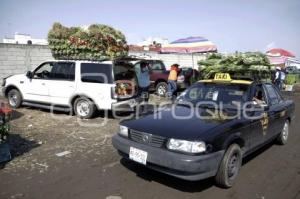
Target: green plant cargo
97, 42
242, 63
291, 79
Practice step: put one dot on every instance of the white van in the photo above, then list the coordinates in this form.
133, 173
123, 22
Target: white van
81, 87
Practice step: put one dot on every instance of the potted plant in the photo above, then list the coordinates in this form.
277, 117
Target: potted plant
5, 115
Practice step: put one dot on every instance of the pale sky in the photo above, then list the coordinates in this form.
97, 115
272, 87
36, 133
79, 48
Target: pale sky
233, 25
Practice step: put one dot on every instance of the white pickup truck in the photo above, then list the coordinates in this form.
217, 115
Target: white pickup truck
81, 87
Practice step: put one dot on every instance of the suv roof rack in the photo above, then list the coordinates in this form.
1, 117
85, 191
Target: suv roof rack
84, 59
134, 57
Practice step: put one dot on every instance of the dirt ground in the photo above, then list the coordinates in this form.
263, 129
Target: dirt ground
90, 167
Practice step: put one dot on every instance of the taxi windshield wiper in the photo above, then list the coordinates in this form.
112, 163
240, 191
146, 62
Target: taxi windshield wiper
189, 105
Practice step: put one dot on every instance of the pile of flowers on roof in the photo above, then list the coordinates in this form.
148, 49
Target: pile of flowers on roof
96, 42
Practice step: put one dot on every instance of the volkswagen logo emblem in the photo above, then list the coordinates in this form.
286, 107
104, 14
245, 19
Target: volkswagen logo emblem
146, 138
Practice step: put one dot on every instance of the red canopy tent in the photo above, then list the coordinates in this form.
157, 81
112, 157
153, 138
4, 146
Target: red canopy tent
280, 52
279, 56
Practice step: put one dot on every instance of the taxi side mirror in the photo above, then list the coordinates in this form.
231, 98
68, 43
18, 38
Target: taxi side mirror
260, 106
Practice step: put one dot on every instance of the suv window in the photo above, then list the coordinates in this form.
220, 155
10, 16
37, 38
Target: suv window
273, 96
43, 71
157, 66
96, 73
63, 71
56, 71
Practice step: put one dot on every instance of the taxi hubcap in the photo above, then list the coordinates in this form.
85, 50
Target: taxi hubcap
233, 165
285, 131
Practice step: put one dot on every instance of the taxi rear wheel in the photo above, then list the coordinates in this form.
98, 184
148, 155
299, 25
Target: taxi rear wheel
230, 166
284, 135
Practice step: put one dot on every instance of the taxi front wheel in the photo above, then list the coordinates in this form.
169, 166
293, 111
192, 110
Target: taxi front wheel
229, 167
284, 135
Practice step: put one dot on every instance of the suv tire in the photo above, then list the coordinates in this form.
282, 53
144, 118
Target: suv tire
229, 167
84, 108
14, 98
161, 89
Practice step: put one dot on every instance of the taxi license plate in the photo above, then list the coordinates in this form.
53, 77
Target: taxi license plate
138, 155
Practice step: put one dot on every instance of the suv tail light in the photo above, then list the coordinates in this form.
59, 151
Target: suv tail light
113, 93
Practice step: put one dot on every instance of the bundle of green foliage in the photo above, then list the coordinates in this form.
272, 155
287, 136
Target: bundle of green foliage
4, 129
292, 79
97, 42
253, 63
5, 115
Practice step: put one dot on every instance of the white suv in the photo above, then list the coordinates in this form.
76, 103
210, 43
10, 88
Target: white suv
81, 87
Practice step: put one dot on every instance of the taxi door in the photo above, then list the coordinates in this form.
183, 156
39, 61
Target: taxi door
276, 111
259, 118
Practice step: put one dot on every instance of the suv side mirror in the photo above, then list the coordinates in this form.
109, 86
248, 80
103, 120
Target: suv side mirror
29, 74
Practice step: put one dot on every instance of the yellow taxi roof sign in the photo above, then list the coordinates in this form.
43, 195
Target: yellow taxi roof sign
222, 77
225, 78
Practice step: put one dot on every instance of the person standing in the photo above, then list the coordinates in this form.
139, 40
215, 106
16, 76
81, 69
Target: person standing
278, 78
283, 74
142, 72
172, 81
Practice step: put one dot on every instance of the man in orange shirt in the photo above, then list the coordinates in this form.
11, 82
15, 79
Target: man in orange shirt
172, 80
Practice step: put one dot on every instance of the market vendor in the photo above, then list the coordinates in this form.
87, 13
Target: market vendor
279, 77
172, 79
142, 73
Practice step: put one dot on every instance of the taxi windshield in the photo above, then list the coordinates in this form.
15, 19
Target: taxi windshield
227, 94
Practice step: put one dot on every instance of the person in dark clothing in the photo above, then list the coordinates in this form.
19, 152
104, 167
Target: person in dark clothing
278, 78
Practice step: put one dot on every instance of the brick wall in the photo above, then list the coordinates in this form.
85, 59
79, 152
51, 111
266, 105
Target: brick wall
17, 59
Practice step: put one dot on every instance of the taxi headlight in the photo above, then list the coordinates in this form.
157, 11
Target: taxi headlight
186, 146
123, 131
